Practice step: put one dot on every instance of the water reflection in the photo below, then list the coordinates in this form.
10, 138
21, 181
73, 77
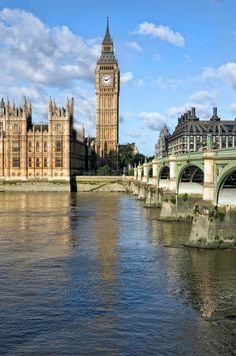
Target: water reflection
99, 274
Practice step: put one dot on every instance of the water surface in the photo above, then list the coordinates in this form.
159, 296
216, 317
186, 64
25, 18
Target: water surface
98, 274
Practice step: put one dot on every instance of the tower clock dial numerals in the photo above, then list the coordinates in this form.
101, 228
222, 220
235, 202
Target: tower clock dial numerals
107, 79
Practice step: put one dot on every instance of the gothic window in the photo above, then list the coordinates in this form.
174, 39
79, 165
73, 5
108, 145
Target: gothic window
58, 127
37, 163
15, 162
30, 162
15, 146
58, 146
29, 146
45, 147
45, 162
1, 125
58, 162
37, 146
230, 141
15, 128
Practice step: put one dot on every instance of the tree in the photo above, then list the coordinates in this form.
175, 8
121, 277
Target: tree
105, 171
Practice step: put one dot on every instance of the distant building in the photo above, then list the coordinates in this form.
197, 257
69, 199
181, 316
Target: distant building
161, 148
42, 151
190, 134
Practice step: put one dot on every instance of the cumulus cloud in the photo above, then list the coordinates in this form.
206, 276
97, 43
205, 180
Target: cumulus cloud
203, 96
49, 56
135, 46
126, 77
168, 83
153, 120
164, 33
226, 72
46, 61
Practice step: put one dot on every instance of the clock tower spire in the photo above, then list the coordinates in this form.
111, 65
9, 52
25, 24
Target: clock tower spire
107, 103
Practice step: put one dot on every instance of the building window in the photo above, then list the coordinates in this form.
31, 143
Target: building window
15, 128
1, 125
37, 162
29, 146
15, 146
45, 162
58, 162
223, 141
58, 146
16, 162
37, 146
58, 127
230, 141
30, 162
45, 147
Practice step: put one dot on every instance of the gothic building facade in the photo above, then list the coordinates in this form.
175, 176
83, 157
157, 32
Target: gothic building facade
107, 82
40, 151
192, 134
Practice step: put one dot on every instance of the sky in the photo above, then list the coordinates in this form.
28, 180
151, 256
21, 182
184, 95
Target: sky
172, 55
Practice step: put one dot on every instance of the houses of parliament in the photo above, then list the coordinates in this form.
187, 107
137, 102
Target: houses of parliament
56, 151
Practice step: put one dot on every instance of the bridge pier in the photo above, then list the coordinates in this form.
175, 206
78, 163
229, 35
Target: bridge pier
208, 185
172, 184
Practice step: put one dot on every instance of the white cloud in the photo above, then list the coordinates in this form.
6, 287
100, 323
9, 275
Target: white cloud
135, 46
139, 82
43, 55
203, 96
153, 120
168, 83
38, 61
126, 77
226, 72
135, 133
164, 33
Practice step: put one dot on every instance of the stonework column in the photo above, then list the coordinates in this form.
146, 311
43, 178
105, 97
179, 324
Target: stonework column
139, 173
135, 173
208, 186
154, 172
145, 173
172, 185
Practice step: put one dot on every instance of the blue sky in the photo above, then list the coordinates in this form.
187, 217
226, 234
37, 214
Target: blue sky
172, 55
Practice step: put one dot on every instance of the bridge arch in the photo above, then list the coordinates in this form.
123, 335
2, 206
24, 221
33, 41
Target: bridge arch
225, 192
190, 179
164, 177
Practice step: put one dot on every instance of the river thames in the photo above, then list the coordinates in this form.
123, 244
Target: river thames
98, 274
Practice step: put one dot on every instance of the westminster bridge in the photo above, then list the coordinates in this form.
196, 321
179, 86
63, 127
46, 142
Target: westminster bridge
210, 174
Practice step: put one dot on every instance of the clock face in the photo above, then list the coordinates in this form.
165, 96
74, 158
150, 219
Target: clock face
107, 79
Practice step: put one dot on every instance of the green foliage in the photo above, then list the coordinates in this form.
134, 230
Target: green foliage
185, 197
173, 199
126, 154
216, 213
139, 157
105, 171
130, 172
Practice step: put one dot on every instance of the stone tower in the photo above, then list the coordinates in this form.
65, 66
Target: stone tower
107, 104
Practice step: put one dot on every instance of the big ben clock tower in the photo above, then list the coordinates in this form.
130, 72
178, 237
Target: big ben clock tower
107, 104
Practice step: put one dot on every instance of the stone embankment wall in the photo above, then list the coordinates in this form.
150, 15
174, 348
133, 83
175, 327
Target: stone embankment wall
35, 186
